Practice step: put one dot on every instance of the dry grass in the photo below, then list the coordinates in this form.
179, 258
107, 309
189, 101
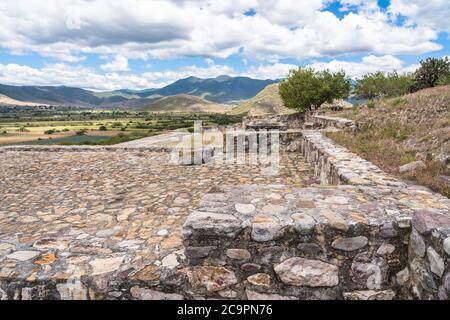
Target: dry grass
404, 129
387, 153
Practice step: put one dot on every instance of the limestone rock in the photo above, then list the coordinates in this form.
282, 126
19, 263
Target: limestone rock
303, 222
6, 248
411, 167
72, 291
369, 295
425, 221
170, 261
417, 244
51, 244
388, 230
368, 271
304, 272
350, 244
211, 278
250, 267
335, 220
238, 254
102, 266
385, 249
402, 276
148, 294
198, 252
253, 295
23, 255
244, 208
446, 246
436, 262
259, 279
310, 249
421, 275
266, 228
208, 223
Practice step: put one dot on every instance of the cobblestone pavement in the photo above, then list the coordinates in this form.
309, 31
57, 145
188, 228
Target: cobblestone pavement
107, 212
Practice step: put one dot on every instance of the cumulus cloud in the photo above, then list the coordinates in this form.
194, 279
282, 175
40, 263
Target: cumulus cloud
367, 64
178, 28
88, 78
432, 13
120, 63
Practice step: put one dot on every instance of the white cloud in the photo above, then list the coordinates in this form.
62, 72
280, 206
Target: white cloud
120, 63
432, 13
166, 29
367, 64
270, 71
83, 77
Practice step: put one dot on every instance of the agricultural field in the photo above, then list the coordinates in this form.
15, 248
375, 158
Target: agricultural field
93, 127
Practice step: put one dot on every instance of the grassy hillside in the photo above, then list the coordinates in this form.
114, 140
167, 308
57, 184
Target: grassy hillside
185, 103
400, 130
7, 101
267, 101
222, 89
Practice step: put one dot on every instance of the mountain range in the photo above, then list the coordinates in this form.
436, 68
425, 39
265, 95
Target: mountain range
222, 90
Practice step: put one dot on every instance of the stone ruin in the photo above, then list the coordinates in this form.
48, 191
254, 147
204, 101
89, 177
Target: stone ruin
359, 234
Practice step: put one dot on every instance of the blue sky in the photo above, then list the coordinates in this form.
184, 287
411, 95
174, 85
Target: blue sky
108, 45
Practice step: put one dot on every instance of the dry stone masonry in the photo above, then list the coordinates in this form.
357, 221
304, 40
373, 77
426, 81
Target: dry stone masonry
368, 236
120, 222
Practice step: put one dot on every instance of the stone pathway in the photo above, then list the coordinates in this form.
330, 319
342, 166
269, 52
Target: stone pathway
170, 139
107, 214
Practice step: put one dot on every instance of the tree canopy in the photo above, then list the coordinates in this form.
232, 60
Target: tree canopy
380, 84
432, 71
306, 90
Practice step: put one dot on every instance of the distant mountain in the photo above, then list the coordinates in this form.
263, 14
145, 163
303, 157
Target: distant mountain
186, 103
267, 101
55, 95
223, 89
7, 101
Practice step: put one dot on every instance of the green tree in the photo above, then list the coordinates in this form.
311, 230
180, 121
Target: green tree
379, 84
432, 71
306, 90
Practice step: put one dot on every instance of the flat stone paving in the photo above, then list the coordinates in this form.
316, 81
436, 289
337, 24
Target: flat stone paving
170, 140
104, 213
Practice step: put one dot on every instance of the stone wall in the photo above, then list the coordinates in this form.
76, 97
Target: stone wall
275, 242
353, 240
322, 122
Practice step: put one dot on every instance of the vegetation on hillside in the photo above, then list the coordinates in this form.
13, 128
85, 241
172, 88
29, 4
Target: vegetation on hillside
268, 101
186, 103
381, 85
306, 90
403, 129
105, 127
432, 72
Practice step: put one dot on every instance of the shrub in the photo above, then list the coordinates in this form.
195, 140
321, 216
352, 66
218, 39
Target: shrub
432, 72
379, 85
398, 101
23, 129
51, 131
81, 132
306, 90
407, 158
370, 104
103, 128
65, 130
